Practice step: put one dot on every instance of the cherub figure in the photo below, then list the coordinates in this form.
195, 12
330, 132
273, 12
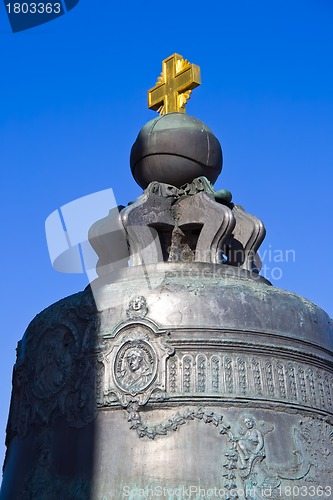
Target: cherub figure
250, 444
137, 308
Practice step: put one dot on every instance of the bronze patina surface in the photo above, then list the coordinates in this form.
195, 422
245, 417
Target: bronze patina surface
175, 149
180, 372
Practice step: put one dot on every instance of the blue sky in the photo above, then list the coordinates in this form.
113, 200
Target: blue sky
73, 98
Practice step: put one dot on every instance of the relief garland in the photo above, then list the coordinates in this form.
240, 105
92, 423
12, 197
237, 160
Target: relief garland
246, 465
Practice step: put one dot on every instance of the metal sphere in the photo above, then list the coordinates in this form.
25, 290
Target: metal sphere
175, 149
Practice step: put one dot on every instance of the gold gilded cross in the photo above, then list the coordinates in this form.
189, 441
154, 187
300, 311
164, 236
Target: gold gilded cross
174, 86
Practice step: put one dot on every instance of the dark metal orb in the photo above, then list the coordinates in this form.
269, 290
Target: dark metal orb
175, 149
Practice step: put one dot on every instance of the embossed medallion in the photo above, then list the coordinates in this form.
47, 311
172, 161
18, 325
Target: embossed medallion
135, 366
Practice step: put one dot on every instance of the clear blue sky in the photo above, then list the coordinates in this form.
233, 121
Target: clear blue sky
73, 98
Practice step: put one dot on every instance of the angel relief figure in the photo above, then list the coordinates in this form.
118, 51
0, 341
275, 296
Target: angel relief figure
250, 443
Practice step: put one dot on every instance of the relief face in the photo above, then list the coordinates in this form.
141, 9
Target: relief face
135, 366
137, 308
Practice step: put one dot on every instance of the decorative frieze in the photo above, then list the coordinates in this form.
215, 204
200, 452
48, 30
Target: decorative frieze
265, 378
301, 383
292, 382
215, 373
269, 378
281, 380
328, 385
256, 376
242, 372
201, 371
173, 371
187, 373
311, 386
229, 382
321, 388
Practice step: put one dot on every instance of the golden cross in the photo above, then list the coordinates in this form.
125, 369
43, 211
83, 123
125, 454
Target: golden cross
174, 86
